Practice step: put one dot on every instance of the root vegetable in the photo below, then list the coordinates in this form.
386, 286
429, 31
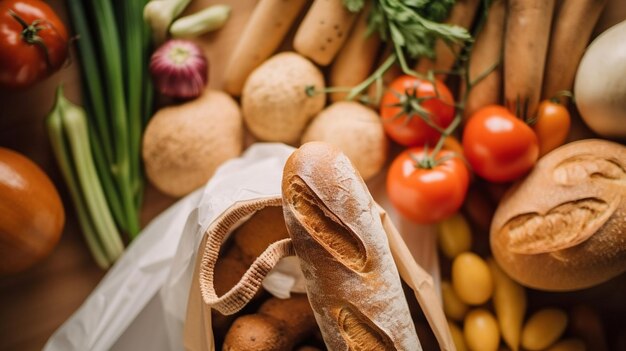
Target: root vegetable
509, 301
266, 29
487, 52
574, 22
481, 331
278, 326
324, 30
356, 130
525, 50
274, 100
183, 145
471, 279
355, 60
543, 328
462, 15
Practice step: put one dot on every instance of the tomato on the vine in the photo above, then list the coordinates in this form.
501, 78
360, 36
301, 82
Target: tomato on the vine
551, 125
408, 102
427, 189
498, 146
33, 42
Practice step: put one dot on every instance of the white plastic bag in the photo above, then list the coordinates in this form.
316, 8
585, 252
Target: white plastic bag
141, 303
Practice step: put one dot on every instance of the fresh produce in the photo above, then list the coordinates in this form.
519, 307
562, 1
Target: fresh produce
31, 213
486, 58
586, 323
33, 42
599, 87
323, 30
509, 302
261, 36
183, 145
374, 93
454, 236
160, 14
275, 104
356, 130
543, 328
118, 98
453, 307
415, 111
427, 189
551, 125
356, 58
481, 331
69, 135
457, 337
573, 24
179, 69
279, 325
525, 49
561, 228
461, 14
209, 19
569, 345
498, 146
471, 279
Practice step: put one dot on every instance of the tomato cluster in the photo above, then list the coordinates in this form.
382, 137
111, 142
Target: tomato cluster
428, 182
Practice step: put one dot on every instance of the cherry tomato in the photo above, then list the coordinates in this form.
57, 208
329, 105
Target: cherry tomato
498, 146
33, 42
402, 121
552, 126
426, 194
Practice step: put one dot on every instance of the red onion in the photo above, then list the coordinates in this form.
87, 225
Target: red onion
179, 69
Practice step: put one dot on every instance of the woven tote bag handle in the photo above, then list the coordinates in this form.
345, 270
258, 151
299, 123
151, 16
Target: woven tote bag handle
240, 294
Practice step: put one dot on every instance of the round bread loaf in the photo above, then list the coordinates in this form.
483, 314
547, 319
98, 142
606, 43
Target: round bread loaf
563, 227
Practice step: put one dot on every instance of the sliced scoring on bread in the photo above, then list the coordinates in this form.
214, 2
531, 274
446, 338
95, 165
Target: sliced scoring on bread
563, 226
325, 227
580, 168
360, 333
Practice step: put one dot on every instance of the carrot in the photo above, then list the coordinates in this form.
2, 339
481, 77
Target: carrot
462, 14
525, 48
266, 29
323, 30
355, 59
574, 22
485, 54
375, 91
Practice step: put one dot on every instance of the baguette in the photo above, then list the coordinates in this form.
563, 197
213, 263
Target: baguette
323, 31
351, 279
563, 227
261, 37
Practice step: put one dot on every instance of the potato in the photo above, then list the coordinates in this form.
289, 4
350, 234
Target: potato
471, 279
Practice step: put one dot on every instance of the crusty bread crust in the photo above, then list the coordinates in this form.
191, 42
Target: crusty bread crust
564, 226
352, 282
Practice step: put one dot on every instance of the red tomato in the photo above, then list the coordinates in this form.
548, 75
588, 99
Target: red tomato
402, 122
552, 126
427, 194
33, 42
498, 146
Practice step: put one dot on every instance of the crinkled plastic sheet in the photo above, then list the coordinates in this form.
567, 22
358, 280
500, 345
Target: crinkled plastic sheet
141, 302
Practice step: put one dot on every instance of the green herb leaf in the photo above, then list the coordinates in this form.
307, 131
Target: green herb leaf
353, 5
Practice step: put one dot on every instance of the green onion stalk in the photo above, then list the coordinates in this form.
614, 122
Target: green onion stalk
114, 44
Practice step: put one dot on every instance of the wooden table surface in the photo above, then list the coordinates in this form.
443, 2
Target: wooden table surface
36, 302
